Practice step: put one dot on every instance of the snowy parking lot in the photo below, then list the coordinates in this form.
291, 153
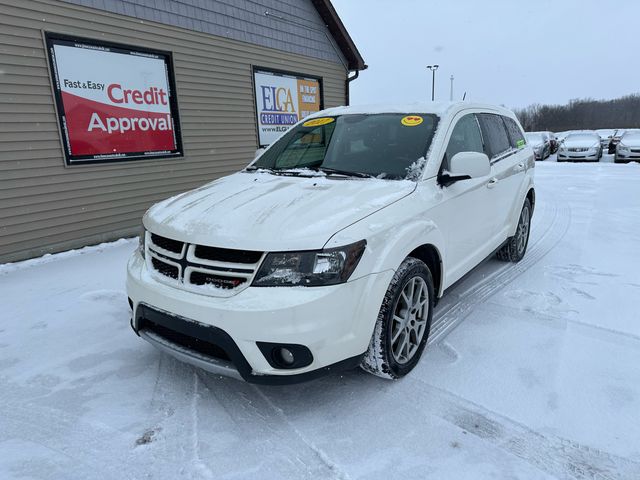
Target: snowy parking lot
532, 371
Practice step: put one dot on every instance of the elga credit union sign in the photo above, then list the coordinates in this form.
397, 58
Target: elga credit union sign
283, 99
114, 102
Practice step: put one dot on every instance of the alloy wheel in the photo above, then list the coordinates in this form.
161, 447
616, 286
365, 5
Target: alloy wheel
523, 230
409, 319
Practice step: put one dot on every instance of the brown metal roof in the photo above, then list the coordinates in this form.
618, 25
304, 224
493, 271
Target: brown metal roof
340, 34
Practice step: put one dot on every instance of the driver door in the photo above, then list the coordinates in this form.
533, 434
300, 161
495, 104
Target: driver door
464, 210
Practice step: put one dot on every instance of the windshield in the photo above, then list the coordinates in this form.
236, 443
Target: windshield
384, 145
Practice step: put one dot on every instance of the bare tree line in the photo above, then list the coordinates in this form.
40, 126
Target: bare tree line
582, 114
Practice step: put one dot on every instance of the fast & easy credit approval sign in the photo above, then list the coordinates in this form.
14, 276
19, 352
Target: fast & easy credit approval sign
283, 99
114, 102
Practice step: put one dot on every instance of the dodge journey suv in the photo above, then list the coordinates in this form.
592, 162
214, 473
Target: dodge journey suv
331, 249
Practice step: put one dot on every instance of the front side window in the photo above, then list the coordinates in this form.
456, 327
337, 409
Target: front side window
466, 137
495, 134
382, 145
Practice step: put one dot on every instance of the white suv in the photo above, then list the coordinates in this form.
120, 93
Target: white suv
331, 249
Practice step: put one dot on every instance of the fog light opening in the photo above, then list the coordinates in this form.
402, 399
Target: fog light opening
284, 356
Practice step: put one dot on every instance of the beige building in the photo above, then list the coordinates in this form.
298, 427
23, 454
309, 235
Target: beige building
107, 106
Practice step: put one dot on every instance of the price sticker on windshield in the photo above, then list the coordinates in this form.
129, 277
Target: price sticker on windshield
411, 120
317, 122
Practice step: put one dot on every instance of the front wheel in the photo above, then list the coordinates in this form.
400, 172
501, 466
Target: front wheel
403, 324
516, 246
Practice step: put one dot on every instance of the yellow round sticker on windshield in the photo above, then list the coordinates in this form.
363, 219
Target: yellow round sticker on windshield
411, 120
316, 122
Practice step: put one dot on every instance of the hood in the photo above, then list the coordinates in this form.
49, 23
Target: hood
582, 142
264, 212
631, 141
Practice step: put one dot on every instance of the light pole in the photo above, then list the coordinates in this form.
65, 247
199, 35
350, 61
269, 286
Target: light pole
433, 69
451, 90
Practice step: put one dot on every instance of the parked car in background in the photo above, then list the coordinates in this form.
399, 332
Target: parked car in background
540, 144
606, 134
615, 139
560, 136
628, 148
580, 146
331, 249
553, 142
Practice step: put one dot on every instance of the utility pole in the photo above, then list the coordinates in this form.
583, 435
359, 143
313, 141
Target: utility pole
433, 69
451, 90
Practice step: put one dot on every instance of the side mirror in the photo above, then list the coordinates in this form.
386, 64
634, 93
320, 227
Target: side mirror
465, 166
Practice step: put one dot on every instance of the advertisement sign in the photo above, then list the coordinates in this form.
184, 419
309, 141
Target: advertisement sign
283, 99
114, 102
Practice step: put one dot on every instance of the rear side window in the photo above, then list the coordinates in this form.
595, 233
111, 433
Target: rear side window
465, 137
495, 134
516, 137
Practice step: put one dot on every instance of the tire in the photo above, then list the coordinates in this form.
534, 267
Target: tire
392, 358
515, 247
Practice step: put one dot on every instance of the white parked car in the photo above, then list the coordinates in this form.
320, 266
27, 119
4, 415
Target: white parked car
580, 146
628, 149
540, 144
331, 249
605, 134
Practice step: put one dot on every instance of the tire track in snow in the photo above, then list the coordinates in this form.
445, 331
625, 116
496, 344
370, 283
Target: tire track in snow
555, 319
452, 314
267, 421
321, 454
558, 456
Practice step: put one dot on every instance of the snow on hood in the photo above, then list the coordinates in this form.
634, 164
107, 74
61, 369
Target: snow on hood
265, 212
581, 141
631, 140
535, 140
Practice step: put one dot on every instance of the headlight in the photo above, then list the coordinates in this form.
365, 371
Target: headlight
310, 268
141, 240
623, 148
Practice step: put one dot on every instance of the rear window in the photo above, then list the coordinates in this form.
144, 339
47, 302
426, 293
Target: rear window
516, 136
495, 134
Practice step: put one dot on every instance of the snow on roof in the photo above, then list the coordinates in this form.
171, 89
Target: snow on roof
436, 108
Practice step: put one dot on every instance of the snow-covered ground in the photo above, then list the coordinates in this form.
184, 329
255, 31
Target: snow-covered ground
532, 372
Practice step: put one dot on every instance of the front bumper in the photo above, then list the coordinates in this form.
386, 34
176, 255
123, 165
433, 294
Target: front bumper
627, 156
334, 323
578, 156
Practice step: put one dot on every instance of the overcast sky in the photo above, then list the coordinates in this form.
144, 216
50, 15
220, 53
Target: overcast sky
510, 52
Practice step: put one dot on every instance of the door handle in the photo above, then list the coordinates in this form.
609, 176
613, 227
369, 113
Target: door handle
520, 167
492, 183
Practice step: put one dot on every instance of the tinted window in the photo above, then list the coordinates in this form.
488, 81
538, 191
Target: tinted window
385, 144
465, 137
515, 134
495, 134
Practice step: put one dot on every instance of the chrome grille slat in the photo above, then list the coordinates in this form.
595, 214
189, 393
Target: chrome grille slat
226, 277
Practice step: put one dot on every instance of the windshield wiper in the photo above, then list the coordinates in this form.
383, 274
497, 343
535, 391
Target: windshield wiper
346, 173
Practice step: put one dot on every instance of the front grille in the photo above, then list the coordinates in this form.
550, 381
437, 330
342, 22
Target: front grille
165, 269
635, 150
200, 267
578, 149
167, 244
186, 341
227, 255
